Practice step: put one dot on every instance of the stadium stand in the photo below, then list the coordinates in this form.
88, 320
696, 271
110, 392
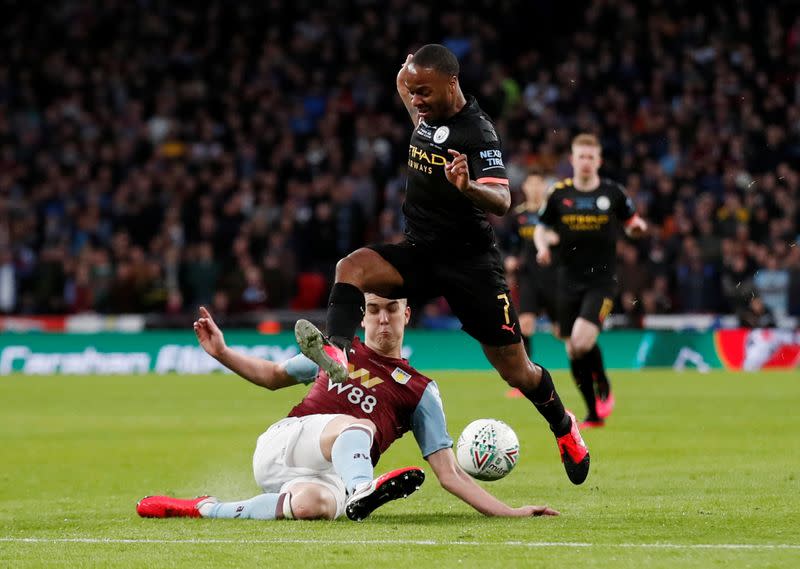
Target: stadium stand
155, 156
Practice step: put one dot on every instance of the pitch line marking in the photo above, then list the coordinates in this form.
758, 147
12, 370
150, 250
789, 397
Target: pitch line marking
529, 544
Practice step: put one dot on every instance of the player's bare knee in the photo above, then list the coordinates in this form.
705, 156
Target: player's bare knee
350, 269
313, 502
580, 347
570, 350
343, 422
527, 328
366, 424
363, 424
527, 324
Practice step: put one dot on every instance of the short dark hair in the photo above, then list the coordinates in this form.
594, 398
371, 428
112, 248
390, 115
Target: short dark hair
438, 58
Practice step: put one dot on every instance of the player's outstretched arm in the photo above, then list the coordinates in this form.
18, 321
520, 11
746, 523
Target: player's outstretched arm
255, 370
403, 91
453, 479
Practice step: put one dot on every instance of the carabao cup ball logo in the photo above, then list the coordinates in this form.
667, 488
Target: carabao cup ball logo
487, 449
603, 203
441, 134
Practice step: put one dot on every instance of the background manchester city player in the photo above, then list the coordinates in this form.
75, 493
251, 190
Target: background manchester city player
586, 212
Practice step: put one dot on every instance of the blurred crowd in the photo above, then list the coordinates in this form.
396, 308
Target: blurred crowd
155, 156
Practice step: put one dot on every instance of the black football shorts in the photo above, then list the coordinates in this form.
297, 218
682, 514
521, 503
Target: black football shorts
590, 301
473, 284
537, 294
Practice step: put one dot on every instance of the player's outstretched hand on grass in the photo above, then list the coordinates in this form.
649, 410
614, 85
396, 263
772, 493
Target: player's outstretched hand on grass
535, 511
208, 334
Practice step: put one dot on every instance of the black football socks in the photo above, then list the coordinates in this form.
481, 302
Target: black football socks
345, 311
582, 374
594, 359
546, 400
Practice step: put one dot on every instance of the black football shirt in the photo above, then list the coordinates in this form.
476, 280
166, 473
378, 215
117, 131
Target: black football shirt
588, 224
437, 214
523, 223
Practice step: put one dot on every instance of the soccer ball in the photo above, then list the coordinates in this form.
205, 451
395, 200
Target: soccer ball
487, 449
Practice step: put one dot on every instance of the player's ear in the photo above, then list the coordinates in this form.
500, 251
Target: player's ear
408, 314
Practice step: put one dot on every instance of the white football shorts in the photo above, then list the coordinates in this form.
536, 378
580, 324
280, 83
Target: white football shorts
289, 453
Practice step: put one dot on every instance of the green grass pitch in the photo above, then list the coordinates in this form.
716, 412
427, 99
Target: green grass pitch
691, 471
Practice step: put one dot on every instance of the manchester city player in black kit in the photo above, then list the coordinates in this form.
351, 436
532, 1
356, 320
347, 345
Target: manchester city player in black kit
586, 211
455, 176
537, 285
